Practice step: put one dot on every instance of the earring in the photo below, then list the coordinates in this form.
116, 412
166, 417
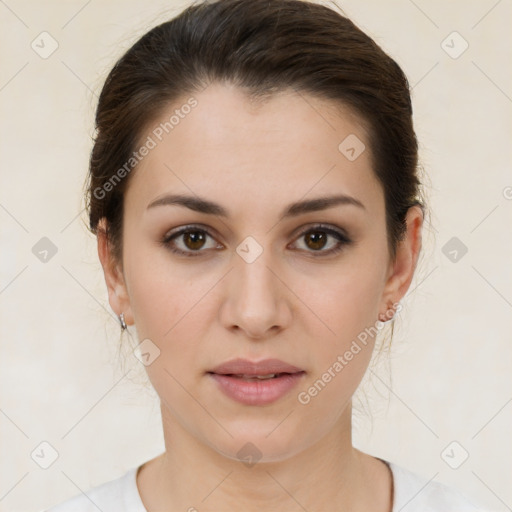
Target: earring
122, 322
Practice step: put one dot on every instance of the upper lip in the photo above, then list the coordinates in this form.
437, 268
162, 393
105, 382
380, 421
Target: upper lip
246, 367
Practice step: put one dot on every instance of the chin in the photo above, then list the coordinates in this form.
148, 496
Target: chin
255, 445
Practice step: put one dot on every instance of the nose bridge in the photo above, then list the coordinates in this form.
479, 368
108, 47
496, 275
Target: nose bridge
256, 298
254, 280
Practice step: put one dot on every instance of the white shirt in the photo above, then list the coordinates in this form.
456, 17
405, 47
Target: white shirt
412, 493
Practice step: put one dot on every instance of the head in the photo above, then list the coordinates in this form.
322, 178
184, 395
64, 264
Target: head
250, 113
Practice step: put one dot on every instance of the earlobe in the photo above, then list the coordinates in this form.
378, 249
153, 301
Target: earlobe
114, 279
407, 254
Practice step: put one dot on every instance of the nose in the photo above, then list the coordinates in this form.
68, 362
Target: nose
256, 302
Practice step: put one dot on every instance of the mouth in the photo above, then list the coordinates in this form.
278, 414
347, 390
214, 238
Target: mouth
256, 383
265, 369
255, 378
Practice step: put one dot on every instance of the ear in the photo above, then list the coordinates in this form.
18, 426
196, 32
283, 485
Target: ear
114, 278
401, 270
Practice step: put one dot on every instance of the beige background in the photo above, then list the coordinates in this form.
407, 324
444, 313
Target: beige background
62, 378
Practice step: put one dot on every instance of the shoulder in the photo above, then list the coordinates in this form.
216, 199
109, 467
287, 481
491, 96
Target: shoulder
415, 493
118, 495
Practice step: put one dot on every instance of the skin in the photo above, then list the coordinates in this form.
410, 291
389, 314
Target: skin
291, 303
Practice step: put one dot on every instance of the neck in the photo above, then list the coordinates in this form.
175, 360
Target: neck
191, 475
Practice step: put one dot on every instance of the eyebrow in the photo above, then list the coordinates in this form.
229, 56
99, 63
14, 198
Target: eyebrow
201, 205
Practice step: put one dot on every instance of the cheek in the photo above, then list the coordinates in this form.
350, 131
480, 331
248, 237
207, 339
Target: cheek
172, 320
155, 302
341, 357
343, 302
155, 290
171, 306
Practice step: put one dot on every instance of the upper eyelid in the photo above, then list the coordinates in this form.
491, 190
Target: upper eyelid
319, 225
296, 232
188, 227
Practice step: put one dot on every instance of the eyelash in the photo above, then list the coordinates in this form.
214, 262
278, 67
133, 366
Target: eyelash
343, 240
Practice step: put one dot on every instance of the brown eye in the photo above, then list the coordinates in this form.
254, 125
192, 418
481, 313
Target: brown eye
316, 240
194, 240
323, 240
190, 241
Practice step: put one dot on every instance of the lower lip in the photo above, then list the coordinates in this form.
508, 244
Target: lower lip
259, 392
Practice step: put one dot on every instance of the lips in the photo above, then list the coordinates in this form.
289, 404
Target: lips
245, 368
256, 383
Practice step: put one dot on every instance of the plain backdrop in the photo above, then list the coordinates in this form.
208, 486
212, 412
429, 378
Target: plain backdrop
438, 404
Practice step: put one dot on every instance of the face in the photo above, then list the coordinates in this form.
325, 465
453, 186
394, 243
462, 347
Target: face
259, 270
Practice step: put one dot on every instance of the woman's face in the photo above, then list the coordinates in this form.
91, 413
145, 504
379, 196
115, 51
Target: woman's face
257, 278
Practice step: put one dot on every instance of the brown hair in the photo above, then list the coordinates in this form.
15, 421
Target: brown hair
262, 46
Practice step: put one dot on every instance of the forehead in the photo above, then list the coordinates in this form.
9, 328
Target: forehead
249, 154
